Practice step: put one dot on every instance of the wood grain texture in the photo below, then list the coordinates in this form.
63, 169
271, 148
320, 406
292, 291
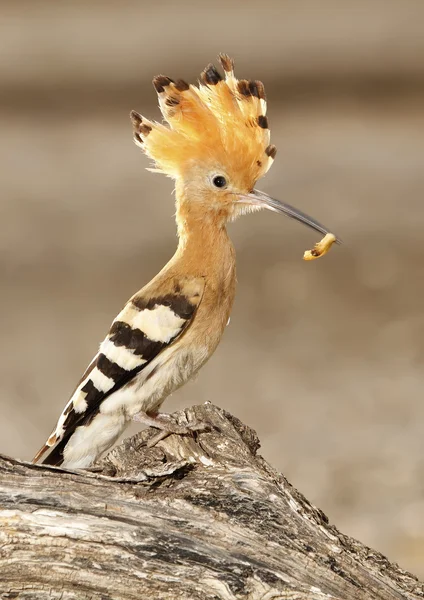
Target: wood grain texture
194, 518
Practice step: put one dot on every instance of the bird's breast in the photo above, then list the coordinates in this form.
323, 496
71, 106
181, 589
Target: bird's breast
213, 313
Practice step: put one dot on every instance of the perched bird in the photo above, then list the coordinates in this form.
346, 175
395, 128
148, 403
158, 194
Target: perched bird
215, 145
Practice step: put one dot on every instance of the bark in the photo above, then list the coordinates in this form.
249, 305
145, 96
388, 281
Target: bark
201, 517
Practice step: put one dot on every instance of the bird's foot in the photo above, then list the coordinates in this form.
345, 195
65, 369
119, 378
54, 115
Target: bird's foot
167, 426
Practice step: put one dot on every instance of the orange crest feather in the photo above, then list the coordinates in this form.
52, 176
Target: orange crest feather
222, 119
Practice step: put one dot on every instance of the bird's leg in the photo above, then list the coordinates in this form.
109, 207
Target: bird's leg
167, 425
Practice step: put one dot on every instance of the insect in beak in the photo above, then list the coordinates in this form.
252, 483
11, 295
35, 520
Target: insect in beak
262, 200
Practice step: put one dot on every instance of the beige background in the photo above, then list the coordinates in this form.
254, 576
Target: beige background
323, 359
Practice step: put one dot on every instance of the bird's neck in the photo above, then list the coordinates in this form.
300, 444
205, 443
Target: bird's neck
204, 244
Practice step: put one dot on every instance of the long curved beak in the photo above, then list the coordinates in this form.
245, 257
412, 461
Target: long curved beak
262, 200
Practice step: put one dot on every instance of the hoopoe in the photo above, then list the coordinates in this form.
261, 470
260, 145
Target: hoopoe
216, 145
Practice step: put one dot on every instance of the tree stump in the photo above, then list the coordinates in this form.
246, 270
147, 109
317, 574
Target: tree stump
196, 518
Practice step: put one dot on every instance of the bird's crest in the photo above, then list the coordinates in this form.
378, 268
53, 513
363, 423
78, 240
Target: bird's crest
222, 119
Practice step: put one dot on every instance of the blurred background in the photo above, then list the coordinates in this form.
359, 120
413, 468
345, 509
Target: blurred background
323, 359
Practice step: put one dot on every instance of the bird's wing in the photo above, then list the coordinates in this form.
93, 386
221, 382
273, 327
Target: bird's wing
149, 323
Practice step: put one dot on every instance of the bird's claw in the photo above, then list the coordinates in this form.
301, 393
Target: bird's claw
168, 426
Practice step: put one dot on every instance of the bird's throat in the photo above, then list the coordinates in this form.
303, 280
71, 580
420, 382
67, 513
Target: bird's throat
204, 244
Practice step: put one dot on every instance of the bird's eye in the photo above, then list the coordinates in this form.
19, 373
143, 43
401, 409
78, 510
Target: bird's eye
219, 181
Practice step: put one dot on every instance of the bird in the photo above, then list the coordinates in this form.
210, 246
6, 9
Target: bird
215, 144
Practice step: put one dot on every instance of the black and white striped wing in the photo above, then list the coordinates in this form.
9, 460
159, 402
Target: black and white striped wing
148, 324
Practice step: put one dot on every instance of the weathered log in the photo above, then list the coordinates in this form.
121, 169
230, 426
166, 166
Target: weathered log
201, 517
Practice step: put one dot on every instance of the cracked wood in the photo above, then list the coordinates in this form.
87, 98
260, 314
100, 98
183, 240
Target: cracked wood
196, 518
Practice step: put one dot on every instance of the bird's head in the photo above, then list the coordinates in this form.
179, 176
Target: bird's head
216, 144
